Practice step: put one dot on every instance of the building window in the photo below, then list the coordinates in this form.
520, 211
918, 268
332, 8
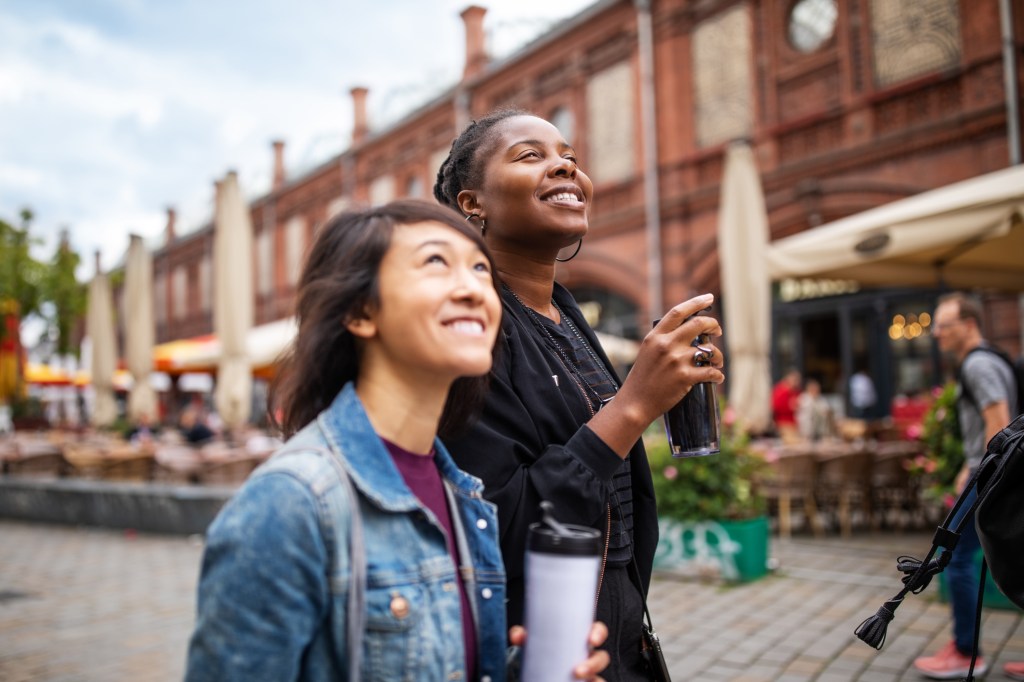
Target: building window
265, 262
337, 206
436, 159
723, 84
179, 292
160, 298
912, 39
563, 119
812, 23
294, 248
611, 140
382, 190
205, 294
414, 187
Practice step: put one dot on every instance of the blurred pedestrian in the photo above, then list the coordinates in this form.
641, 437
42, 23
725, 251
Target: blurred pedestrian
862, 394
987, 398
193, 426
814, 413
360, 551
785, 395
551, 429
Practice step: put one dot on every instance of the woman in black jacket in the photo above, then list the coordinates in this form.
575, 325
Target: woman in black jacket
550, 429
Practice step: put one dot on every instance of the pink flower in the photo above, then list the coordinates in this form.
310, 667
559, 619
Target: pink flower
729, 417
930, 466
914, 431
940, 414
936, 391
948, 501
671, 473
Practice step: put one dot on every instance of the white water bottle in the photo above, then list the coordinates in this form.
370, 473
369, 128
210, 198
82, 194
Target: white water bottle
562, 566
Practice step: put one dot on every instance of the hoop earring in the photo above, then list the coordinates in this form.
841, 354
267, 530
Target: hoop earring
483, 223
579, 245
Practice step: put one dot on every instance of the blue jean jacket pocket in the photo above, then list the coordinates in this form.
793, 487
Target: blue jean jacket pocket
393, 617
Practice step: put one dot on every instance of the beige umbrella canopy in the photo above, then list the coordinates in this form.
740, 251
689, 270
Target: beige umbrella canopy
139, 329
746, 289
233, 301
968, 234
100, 327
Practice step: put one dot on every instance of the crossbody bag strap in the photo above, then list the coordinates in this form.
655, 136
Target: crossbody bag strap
357, 564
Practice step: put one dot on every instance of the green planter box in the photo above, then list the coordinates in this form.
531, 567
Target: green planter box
734, 551
994, 598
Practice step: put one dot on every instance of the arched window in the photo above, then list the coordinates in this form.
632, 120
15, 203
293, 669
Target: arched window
563, 119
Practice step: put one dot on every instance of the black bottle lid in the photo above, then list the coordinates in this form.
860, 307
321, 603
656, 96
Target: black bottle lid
550, 536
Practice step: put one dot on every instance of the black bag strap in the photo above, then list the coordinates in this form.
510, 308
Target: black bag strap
977, 621
917, 574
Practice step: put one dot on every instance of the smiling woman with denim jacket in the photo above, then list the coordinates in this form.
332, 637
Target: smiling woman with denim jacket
360, 550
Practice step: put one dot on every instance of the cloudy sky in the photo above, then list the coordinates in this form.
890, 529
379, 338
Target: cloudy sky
112, 110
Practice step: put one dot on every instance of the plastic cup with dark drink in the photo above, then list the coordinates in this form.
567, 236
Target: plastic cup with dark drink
562, 566
693, 424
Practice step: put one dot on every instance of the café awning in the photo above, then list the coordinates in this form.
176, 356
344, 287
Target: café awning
201, 353
965, 235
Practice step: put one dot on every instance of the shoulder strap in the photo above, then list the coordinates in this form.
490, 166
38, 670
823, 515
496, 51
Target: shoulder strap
965, 391
357, 571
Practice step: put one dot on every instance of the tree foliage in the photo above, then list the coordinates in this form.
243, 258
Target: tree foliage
32, 287
65, 294
21, 275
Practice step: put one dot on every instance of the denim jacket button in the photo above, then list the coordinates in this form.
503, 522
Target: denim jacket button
399, 607
486, 593
481, 524
448, 587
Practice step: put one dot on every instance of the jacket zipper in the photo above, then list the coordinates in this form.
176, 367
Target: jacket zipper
604, 559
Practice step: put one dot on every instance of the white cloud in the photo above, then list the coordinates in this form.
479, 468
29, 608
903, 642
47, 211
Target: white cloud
112, 111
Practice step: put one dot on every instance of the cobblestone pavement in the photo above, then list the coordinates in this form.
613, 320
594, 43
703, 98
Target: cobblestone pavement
81, 604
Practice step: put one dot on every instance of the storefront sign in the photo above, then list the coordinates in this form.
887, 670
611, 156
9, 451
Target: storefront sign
805, 289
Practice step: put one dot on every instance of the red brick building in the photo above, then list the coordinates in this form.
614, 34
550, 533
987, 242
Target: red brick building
849, 104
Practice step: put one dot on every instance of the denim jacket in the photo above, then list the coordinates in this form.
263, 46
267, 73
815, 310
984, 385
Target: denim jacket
275, 579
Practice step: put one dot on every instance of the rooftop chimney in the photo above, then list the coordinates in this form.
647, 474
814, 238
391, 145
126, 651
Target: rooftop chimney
278, 164
169, 233
360, 126
476, 51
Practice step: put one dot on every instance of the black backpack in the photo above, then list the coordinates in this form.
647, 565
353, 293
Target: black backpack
999, 516
1017, 368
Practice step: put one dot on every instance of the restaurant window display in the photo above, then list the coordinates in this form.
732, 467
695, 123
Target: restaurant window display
884, 333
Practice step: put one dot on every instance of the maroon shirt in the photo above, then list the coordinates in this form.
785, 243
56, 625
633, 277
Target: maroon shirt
424, 480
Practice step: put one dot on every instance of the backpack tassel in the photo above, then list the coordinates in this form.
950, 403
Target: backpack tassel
872, 630
917, 575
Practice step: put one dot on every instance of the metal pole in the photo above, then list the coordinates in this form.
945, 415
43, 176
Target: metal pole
1010, 80
648, 125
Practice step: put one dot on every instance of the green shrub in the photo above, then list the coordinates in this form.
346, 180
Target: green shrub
718, 487
943, 446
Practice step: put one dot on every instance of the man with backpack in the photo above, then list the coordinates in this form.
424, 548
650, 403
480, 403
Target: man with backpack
987, 399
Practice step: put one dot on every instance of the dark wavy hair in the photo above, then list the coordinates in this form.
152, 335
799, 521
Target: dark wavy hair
463, 168
339, 281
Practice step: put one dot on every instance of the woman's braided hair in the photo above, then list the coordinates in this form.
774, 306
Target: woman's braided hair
461, 169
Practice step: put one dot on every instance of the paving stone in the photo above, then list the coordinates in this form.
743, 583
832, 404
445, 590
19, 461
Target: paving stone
105, 605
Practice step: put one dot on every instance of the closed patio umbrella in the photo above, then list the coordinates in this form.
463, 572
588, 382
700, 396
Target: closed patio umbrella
746, 290
139, 329
100, 324
233, 301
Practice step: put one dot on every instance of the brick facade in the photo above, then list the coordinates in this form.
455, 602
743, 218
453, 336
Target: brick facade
899, 98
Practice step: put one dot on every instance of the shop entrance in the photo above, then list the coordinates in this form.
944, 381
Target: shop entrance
821, 357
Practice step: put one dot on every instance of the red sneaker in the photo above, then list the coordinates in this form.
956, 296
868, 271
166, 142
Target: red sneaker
1015, 671
948, 664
